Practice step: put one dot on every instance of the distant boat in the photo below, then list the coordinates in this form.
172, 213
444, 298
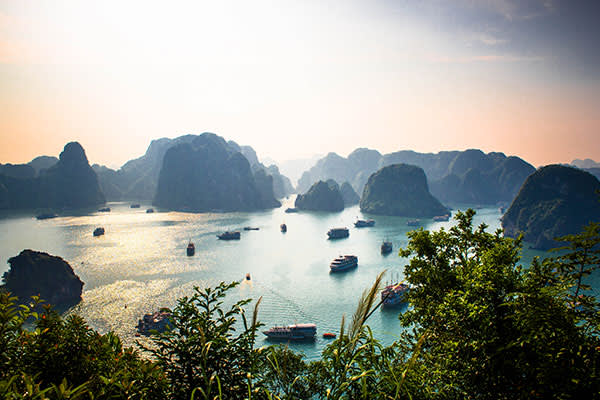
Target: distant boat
440, 218
249, 228
46, 216
158, 321
134, 206
234, 235
361, 223
329, 335
99, 231
105, 209
291, 210
413, 222
292, 332
248, 276
150, 211
394, 294
343, 263
386, 247
338, 233
283, 228
191, 249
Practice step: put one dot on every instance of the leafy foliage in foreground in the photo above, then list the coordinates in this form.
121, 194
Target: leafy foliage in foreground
479, 326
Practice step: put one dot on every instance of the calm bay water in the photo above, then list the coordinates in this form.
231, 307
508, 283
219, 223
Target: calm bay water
140, 264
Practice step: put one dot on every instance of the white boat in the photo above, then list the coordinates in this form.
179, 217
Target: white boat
343, 263
292, 332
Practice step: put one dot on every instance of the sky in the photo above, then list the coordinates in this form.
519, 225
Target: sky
297, 78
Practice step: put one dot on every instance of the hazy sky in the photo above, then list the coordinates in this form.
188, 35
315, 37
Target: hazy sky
295, 78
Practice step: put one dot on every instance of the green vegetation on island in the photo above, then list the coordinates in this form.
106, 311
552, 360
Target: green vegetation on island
479, 325
400, 190
554, 201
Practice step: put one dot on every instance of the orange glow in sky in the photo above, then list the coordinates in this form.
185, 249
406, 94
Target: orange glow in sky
291, 79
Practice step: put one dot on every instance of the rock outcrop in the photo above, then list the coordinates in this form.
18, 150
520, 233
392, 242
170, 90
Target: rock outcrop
36, 273
400, 190
69, 183
206, 174
554, 201
469, 176
349, 195
322, 196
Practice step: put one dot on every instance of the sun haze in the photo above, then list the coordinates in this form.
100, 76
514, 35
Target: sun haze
296, 78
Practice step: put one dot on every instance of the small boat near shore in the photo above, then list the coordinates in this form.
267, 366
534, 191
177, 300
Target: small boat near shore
292, 332
343, 263
283, 228
150, 211
329, 335
105, 209
134, 206
99, 231
338, 233
441, 218
158, 321
250, 228
229, 235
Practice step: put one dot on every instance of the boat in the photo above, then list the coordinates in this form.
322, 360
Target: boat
291, 210
338, 233
394, 294
441, 218
413, 222
329, 335
105, 209
250, 228
283, 228
46, 216
99, 231
292, 332
343, 263
248, 277
233, 235
158, 321
386, 247
361, 223
191, 249
134, 206
150, 211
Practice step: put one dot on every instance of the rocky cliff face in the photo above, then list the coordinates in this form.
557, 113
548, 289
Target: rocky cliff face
138, 179
206, 174
349, 195
322, 196
36, 273
554, 201
400, 190
469, 176
69, 183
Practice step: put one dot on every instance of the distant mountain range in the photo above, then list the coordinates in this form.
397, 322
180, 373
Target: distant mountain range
588, 165
469, 176
137, 179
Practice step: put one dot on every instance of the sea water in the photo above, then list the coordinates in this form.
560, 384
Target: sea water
140, 264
